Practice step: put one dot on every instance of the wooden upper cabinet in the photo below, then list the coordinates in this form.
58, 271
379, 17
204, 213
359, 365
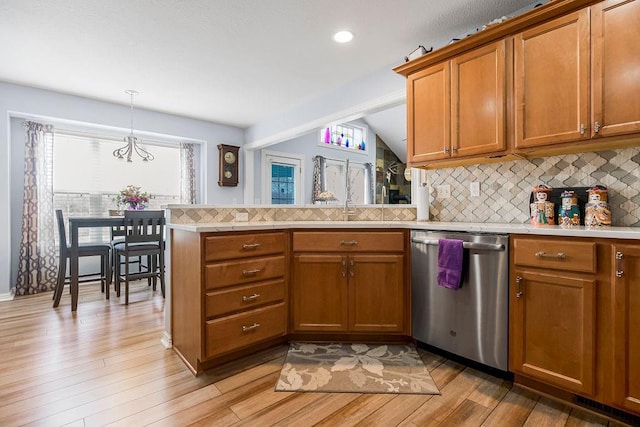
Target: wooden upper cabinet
552, 82
478, 101
428, 114
616, 67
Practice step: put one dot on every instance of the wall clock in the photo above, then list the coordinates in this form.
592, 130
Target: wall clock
228, 171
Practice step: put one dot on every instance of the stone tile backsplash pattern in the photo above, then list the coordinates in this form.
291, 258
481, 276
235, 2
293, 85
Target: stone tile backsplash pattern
505, 187
212, 215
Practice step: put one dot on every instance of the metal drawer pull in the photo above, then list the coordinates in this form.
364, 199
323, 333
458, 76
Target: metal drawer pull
348, 242
246, 328
248, 273
250, 245
519, 290
253, 297
543, 254
619, 271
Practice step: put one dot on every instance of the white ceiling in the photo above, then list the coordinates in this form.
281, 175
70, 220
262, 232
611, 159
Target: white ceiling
236, 62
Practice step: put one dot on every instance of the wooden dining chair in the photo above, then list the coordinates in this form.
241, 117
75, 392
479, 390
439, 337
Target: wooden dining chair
103, 250
144, 238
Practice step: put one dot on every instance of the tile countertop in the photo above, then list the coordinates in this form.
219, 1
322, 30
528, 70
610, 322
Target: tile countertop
545, 230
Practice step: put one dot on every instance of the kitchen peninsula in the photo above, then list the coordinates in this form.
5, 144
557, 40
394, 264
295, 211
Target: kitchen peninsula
293, 273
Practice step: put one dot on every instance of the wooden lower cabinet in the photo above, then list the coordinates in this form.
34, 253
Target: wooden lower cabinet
626, 279
575, 318
553, 333
229, 294
362, 289
319, 290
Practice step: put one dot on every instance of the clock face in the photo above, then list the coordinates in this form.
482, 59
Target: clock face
229, 157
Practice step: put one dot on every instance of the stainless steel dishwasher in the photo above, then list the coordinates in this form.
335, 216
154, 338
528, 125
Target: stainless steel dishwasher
471, 321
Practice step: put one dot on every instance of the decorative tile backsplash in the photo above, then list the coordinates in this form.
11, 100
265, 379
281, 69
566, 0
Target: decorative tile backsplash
211, 215
506, 187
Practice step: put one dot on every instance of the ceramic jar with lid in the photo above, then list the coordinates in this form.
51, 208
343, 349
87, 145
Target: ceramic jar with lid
597, 211
542, 210
569, 212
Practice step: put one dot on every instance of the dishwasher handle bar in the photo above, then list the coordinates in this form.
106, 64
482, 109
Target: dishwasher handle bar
465, 245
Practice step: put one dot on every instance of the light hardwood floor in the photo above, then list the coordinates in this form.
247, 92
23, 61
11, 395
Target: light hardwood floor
104, 365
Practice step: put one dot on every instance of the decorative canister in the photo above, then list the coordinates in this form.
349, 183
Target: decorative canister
542, 208
597, 210
569, 212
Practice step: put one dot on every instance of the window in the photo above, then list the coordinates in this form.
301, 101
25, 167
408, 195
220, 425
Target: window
330, 178
282, 177
346, 137
87, 177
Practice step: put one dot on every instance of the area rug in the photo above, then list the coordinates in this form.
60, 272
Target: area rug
355, 368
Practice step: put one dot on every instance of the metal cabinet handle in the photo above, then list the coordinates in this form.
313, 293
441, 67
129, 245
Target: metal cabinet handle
596, 127
446, 150
348, 242
454, 150
247, 298
543, 254
518, 285
583, 128
619, 270
250, 245
344, 267
249, 273
246, 328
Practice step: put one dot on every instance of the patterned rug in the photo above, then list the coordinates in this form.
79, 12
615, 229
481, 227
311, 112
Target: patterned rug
355, 368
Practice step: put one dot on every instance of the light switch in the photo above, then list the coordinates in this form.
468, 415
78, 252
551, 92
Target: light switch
443, 191
474, 188
242, 216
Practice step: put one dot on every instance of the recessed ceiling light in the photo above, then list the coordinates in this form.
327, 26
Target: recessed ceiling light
343, 36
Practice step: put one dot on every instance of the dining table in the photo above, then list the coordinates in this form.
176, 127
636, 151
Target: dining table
76, 223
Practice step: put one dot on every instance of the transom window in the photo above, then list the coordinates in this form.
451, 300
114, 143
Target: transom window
347, 137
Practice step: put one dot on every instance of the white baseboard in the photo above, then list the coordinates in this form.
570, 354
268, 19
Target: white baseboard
166, 340
8, 296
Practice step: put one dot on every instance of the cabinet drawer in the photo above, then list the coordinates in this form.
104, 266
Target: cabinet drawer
359, 241
240, 330
234, 299
229, 273
555, 254
244, 245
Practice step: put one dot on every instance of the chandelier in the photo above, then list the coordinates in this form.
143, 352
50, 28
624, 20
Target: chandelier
132, 143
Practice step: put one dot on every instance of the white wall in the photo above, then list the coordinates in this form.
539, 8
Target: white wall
17, 101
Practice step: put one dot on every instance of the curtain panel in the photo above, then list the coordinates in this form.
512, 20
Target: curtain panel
187, 173
37, 267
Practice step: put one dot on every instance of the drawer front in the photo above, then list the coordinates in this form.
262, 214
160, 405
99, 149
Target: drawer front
243, 329
246, 297
555, 254
244, 245
229, 273
359, 241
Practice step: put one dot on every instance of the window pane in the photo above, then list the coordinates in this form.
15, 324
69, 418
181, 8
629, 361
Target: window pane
282, 184
87, 177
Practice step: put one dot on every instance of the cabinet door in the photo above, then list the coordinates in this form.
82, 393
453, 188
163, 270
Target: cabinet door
552, 330
428, 114
319, 293
376, 293
478, 101
552, 81
627, 326
616, 67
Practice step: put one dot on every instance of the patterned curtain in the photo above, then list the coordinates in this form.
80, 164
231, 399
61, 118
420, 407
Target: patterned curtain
318, 179
187, 174
37, 265
369, 184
